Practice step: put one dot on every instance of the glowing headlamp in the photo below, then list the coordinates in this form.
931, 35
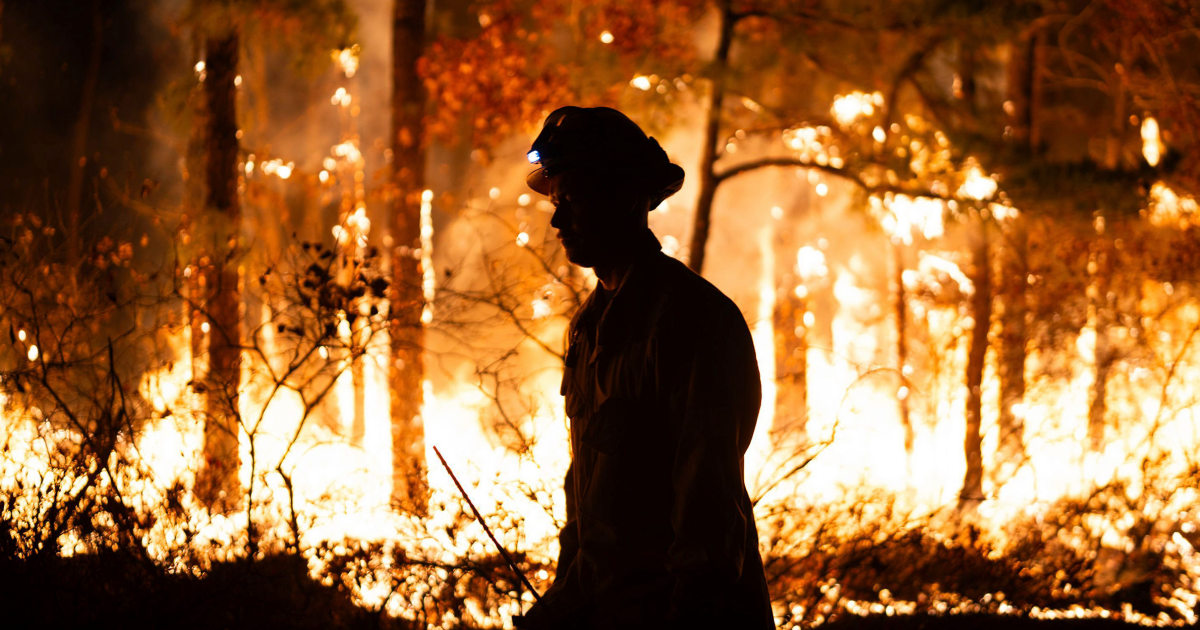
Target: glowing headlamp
534, 157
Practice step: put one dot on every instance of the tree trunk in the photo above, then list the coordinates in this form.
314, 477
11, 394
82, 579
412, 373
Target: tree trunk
900, 306
1103, 356
791, 356
87, 98
407, 370
790, 329
1100, 304
981, 313
217, 483
709, 148
1014, 338
1024, 90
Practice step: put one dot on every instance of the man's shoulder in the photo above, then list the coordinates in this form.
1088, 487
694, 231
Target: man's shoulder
686, 292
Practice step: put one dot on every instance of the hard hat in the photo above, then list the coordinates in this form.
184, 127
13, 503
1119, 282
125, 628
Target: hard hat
605, 141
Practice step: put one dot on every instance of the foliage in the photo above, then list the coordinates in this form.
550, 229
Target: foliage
79, 341
497, 78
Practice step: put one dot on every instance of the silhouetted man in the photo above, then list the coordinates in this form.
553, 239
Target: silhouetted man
662, 391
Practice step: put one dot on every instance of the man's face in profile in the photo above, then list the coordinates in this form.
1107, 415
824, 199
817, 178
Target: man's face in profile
592, 216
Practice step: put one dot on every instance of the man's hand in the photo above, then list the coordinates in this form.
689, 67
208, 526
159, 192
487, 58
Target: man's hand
538, 619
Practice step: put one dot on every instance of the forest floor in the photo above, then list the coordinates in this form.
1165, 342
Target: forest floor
117, 590
972, 622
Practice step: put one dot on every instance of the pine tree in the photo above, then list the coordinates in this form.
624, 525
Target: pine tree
406, 369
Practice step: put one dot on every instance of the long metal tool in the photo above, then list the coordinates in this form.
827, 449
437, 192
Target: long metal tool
478, 517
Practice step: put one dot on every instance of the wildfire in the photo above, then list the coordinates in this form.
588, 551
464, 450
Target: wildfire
884, 319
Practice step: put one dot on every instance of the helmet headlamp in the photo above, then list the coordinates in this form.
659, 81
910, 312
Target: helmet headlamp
606, 142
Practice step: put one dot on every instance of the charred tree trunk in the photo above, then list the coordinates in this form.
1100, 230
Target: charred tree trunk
791, 356
1025, 94
709, 148
407, 370
1014, 337
789, 324
217, 483
1100, 305
1101, 300
358, 424
900, 306
981, 312
87, 99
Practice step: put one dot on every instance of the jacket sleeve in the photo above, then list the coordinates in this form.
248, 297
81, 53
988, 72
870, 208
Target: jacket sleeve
564, 599
714, 403
568, 536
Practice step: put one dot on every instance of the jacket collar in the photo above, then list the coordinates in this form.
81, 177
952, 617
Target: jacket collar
627, 308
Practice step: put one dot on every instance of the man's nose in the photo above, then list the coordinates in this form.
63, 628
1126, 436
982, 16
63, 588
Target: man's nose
559, 218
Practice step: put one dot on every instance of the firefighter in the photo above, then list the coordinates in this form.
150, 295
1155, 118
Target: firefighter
662, 391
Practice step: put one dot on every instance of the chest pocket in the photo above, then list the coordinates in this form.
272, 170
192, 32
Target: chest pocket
622, 427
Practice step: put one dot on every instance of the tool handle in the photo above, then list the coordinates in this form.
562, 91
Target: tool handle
478, 517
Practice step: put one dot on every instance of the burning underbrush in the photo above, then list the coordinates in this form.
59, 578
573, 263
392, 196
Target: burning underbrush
1108, 555
105, 452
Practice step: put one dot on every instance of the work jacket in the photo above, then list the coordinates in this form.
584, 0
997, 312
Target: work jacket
662, 390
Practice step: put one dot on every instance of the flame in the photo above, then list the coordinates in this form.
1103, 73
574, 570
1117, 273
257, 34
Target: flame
641, 82
347, 59
810, 263
902, 217
1168, 208
340, 97
1152, 146
276, 167
976, 184
428, 281
848, 108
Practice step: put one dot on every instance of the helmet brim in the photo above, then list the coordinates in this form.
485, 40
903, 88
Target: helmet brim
538, 181
667, 181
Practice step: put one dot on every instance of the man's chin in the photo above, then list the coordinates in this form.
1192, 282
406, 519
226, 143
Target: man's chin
580, 258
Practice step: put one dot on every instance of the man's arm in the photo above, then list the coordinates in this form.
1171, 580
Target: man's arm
568, 536
715, 401
562, 600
